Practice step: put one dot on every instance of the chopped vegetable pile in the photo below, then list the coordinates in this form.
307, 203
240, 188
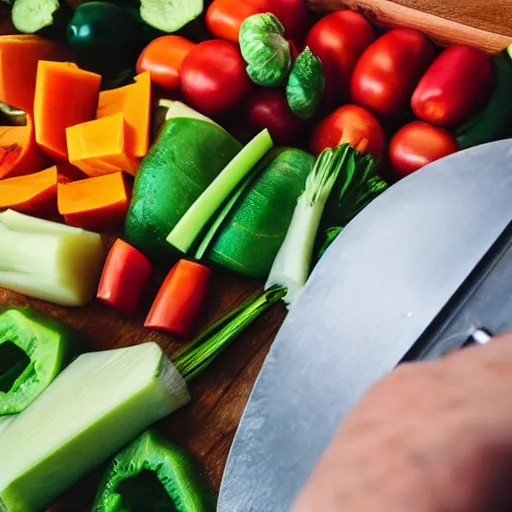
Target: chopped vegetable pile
147, 146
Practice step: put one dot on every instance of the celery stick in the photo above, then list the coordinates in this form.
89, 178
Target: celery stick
193, 222
5, 421
98, 404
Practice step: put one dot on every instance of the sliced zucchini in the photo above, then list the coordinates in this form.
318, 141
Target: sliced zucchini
170, 15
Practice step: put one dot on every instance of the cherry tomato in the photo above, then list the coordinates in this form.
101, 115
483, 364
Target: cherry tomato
389, 70
338, 40
454, 87
350, 124
418, 144
213, 77
163, 58
224, 17
268, 108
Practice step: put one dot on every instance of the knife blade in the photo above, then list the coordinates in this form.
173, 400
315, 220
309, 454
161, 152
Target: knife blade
384, 284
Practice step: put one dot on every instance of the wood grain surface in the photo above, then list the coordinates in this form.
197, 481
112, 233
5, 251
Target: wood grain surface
487, 25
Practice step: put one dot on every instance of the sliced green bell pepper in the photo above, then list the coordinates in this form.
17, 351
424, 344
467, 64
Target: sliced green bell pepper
153, 475
33, 351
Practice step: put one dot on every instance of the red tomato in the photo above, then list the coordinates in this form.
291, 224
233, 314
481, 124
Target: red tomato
163, 58
224, 17
353, 125
338, 40
418, 144
268, 108
454, 87
213, 77
389, 70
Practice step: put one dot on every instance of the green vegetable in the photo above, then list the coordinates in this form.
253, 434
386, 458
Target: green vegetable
494, 122
306, 85
33, 351
105, 39
100, 402
188, 155
170, 15
254, 230
197, 216
5, 421
45, 17
151, 475
265, 49
49, 261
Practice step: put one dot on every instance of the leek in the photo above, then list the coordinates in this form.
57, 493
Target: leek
198, 215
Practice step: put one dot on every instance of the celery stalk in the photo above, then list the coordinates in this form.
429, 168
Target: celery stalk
5, 421
193, 222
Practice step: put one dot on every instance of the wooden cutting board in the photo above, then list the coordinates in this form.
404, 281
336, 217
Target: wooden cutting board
487, 25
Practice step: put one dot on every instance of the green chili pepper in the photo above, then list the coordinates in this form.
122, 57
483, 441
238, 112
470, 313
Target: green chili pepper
33, 351
265, 50
153, 475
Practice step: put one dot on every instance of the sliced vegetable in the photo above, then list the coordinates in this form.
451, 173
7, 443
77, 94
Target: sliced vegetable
418, 144
353, 125
154, 474
5, 421
188, 228
124, 279
176, 109
494, 121
63, 88
389, 70
12, 116
19, 152
186, 158
36, 193
170, 16
225, 17
33, 350
180, 299
454, 87
134, 102
213, 77
338, 40
100, 402
265, 49
163, 57
46, 17
103, 140
268, 108
49, 261
93, 167
254, 230
19, 55
306, 85
105, 39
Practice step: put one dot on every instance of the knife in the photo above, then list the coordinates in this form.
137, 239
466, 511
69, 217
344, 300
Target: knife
425, 269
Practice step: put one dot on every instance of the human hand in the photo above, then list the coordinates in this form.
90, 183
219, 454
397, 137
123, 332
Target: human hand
430, 437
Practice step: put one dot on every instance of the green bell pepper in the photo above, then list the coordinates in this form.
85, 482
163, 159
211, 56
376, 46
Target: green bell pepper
153, 475
33, 351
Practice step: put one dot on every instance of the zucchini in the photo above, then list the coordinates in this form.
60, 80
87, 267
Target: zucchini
170, 15
48, 18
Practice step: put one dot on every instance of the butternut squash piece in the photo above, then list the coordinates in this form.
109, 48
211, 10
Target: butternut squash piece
67, 172
134, 101
19, 55
94, 167
97, 203
65, 96
19, 152
33, 194
101, 141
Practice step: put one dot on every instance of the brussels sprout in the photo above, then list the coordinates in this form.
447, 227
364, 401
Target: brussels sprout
265, 50
306, 85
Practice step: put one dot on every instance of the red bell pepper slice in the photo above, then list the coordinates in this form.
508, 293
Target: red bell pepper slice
125, 276
180, 299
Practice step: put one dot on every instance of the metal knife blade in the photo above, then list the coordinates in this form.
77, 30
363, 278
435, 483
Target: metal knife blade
372, 296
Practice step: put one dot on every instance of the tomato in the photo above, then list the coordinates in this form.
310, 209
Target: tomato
268, 108
163, 58
418, 144
338, 40
389, 70
454, 87
350, 124
213, 77
224, 17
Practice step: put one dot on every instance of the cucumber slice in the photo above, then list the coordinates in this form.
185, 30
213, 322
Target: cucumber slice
97, 405
48, 17
170, 15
